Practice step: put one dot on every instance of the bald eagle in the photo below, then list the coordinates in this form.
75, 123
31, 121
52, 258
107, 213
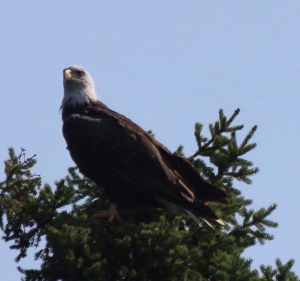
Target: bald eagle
133, 168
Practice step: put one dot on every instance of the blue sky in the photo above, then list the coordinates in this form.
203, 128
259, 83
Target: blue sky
165, 65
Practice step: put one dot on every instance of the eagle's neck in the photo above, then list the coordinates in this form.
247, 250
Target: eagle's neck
75, 96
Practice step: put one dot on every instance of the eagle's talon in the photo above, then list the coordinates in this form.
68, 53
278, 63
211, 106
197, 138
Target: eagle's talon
110, 214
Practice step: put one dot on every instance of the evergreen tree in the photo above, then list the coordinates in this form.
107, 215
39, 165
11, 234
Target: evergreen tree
147, 244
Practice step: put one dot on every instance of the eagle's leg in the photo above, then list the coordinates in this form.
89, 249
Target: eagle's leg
110, 214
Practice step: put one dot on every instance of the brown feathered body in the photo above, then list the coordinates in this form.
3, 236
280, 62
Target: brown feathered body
133, 167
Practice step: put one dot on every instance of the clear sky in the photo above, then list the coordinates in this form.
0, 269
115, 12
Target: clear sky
165, 65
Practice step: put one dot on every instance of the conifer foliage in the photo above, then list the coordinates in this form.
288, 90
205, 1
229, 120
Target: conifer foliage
148, 244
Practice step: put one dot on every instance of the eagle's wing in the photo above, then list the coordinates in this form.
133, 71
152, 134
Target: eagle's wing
130, 153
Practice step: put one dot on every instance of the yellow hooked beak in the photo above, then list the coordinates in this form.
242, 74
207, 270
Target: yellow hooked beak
68, 75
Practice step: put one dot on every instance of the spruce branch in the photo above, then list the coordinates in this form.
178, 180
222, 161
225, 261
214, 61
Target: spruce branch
148, 244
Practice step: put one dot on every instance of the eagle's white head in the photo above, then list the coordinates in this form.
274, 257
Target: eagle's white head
79, 87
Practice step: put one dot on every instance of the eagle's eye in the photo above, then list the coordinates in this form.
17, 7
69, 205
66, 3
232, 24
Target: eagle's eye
79, 73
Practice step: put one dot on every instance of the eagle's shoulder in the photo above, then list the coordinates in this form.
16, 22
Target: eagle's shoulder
118, 121
96, 120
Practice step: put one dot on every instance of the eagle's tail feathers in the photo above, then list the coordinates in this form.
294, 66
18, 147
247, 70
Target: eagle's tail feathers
219, 221
194, 218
